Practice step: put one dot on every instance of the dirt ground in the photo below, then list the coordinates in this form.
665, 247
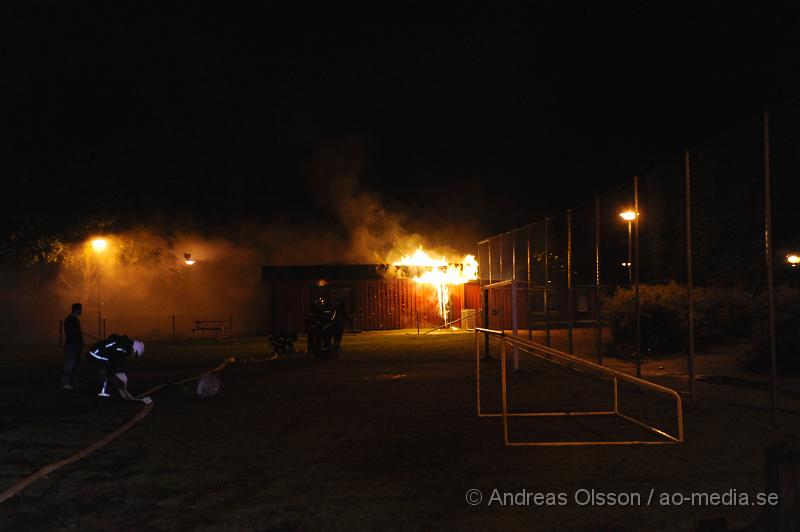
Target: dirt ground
385, 437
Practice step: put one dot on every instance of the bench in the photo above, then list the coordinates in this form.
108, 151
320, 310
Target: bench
220, 327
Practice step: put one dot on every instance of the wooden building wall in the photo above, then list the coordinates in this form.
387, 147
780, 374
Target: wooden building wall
374, 304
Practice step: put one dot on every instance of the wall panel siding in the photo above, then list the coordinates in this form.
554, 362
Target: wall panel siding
376, 304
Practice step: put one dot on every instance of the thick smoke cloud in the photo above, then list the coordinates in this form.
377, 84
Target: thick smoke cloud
374, 233
144, 281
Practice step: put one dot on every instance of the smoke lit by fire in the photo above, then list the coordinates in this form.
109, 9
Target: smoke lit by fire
439, 273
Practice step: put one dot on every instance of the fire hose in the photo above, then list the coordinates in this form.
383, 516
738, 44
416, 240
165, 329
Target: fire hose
148, 406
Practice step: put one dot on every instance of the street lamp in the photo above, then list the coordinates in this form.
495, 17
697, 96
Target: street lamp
187, 259
99, 245
793, 259
629, 216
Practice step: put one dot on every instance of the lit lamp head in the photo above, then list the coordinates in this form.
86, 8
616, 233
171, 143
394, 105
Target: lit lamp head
99, 244
187, 259
793, 259
628, 216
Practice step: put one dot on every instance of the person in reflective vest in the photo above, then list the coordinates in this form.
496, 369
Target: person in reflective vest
109, 355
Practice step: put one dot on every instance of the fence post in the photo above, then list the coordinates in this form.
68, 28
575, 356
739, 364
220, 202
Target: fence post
598, 322
570, 310
783, 474
501, 261
514, 296
486, 355
636, 278
547, 278
503, 389
478, 369
768, 256
489, 247
528, 288
173, 327
689, 275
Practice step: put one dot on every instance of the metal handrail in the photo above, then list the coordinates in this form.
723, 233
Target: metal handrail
550, 354
449, 323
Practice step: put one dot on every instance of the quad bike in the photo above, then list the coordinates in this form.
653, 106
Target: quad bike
325, 327
324, 334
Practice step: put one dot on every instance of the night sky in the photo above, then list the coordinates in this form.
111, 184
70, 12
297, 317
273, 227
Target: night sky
211, 119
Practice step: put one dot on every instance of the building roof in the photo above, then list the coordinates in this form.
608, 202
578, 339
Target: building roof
329, 272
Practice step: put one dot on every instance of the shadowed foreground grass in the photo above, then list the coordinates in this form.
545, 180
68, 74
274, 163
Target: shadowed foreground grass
385, 437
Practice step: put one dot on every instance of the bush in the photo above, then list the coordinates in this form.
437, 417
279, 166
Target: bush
722, 313
661, 318
718, 313
787, 333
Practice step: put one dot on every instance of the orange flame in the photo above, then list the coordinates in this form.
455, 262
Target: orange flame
440, 273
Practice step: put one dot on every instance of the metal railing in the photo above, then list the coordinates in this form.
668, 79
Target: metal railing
558, 357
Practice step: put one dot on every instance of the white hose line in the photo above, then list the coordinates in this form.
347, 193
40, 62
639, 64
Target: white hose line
46, 470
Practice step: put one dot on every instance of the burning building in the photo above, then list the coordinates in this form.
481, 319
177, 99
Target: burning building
415, 291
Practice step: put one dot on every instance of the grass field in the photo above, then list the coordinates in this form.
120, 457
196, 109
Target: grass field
385, 437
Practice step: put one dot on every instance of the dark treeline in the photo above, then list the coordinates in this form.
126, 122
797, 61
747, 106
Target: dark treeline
727, 174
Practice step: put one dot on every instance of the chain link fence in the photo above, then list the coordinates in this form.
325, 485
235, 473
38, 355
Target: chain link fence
165, 328
570, 280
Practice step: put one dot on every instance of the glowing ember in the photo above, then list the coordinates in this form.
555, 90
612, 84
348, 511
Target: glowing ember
440, 273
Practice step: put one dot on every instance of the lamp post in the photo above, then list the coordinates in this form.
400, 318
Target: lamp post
99, 245
629, 216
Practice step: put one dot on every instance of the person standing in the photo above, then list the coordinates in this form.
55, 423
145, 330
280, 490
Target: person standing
73, 346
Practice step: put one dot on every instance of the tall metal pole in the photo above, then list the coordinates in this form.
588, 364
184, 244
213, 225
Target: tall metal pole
636, 278
689, 276
598, 323
569, 283
501, 262
529, 288
547, 277
99, 304
486, 355
514, 296
630, 256
768, 254
490, 260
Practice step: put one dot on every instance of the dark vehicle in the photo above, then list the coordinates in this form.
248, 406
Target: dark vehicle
325, 326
